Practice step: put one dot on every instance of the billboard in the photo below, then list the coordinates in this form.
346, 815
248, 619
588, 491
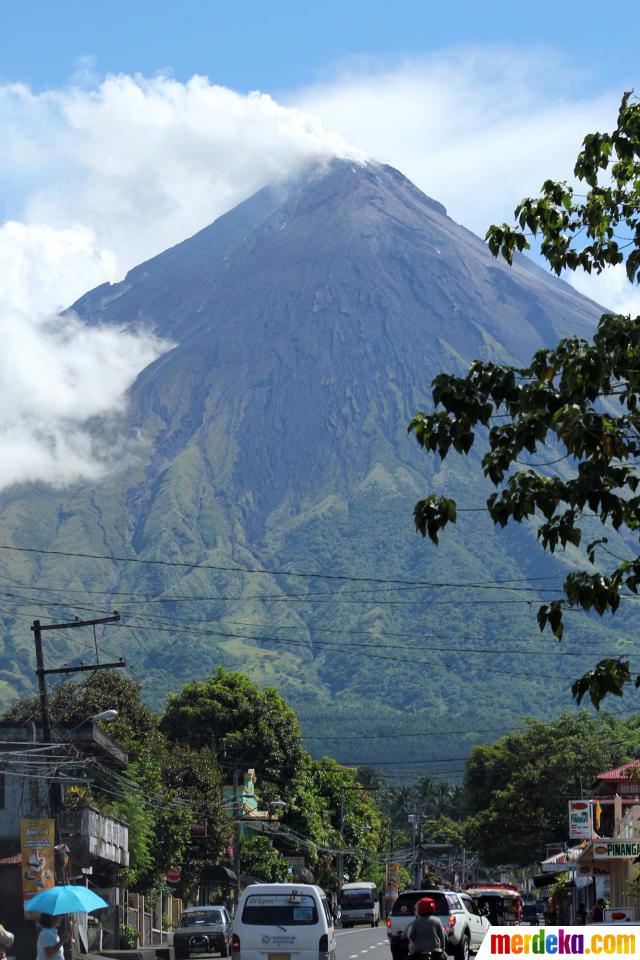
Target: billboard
37, 845
580, 823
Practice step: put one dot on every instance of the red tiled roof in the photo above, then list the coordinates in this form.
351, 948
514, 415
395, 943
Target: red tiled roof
619, 773
11, 861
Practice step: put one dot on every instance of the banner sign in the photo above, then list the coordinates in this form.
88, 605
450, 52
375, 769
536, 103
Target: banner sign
598, 940
391, 886
616, 850
580, 824
37, 844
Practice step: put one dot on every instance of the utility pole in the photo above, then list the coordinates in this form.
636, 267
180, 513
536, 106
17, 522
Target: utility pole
42, 673
42, 683
341, 854
236, 840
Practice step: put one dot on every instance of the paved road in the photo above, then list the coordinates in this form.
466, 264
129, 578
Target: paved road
363, 943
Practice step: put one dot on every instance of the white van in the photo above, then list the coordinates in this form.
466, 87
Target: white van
283, 921
359, 903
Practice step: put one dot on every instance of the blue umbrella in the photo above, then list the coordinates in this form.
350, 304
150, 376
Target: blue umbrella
65, 899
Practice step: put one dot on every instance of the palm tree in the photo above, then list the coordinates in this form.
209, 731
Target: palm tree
370, 778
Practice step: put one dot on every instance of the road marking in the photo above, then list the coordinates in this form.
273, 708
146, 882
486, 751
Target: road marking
353, 956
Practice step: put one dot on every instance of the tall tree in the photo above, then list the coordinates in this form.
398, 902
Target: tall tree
578, 402
243, 726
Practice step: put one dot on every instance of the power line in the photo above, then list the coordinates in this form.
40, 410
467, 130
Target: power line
164, 626
395, 736
238, 569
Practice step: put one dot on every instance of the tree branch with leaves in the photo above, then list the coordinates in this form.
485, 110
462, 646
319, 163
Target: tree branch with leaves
581, 398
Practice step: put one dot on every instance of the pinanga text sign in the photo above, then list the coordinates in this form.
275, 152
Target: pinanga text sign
616, 849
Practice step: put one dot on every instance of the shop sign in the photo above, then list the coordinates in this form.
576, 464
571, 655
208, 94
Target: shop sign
580, 825
616, 850
199, 828
37, 844
620, 915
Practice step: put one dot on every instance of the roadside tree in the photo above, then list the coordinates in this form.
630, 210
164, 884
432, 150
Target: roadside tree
517, 789
578, 402
242, 724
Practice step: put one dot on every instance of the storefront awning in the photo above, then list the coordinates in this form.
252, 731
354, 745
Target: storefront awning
219, 874
543, 880
561, 862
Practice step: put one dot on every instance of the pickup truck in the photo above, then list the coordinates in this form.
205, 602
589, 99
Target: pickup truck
464, 927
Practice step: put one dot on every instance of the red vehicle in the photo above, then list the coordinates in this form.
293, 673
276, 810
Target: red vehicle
500, 902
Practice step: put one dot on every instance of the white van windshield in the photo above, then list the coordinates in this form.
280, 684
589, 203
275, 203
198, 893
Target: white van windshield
273, 910
356, 899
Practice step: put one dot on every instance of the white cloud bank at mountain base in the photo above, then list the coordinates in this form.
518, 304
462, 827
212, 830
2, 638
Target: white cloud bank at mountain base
93, 181
55, 372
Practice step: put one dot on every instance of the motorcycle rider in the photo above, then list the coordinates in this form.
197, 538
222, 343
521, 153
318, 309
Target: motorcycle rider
426, 934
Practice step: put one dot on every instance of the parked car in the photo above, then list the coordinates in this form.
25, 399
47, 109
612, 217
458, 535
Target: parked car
281, 921
464, 927
203, 930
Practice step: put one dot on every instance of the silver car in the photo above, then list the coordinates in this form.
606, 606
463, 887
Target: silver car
203, 930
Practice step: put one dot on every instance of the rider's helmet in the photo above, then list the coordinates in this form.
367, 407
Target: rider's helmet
425, 906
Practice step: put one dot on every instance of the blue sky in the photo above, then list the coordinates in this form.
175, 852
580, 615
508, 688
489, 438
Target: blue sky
112, 151
283, 43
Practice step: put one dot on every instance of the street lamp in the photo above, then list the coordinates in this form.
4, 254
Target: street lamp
106, 716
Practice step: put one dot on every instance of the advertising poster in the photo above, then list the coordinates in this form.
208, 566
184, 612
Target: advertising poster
37, 844
391, 890
580, 825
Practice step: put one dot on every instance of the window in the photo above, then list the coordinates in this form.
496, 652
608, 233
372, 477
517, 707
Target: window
273, 910
405, 903
327, 910
197, 917
356, 899
470, 906
454, 902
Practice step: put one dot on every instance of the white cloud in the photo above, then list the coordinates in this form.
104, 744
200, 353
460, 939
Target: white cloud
55, 372
96, 178
611, 288
477, 129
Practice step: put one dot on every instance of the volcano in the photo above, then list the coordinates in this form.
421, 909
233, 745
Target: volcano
269, 444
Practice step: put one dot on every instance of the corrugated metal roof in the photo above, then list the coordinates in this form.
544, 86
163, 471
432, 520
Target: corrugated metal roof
619, 773
15, 860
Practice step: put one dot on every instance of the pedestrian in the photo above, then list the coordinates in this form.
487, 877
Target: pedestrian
6, 940
50, 944
426, 933
551, 914
598, 912
581, 915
